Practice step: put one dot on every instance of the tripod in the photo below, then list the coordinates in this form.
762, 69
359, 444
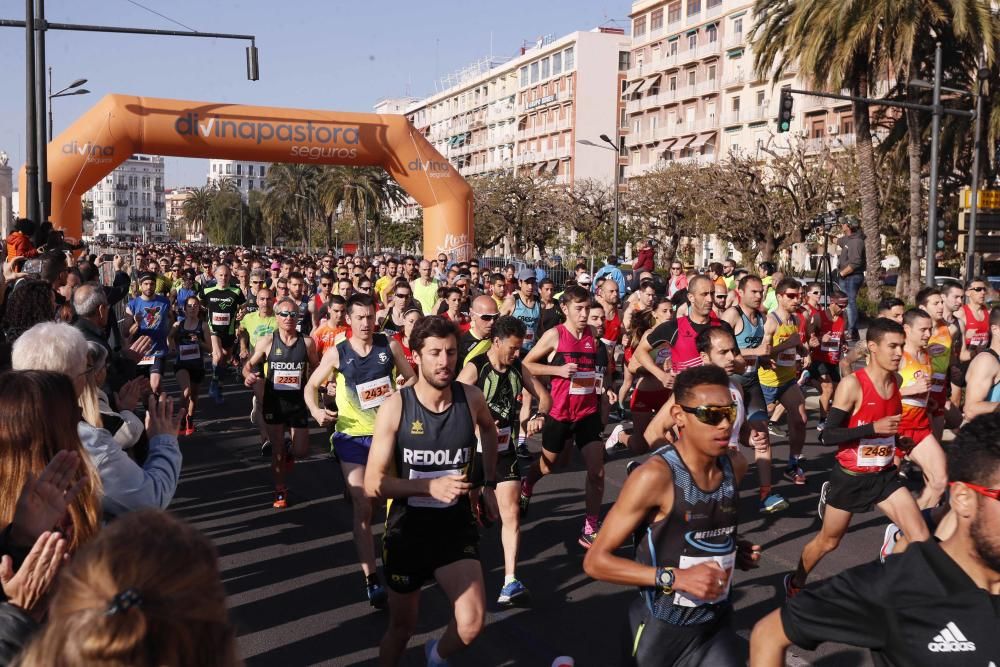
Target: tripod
824, 272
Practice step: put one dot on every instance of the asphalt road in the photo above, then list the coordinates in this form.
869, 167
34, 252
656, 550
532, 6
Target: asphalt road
297, 595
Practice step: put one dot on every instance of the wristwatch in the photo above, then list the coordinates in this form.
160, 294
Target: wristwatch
543, 415
490, 483
665, 579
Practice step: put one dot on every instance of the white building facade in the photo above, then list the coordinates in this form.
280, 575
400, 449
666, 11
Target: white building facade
129, 202
245, 176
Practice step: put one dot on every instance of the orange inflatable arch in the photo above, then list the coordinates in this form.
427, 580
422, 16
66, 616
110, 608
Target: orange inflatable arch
120, 125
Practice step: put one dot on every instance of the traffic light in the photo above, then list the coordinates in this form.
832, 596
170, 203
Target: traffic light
785, 110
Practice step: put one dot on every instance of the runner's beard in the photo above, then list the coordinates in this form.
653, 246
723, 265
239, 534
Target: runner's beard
986, 544
439, 379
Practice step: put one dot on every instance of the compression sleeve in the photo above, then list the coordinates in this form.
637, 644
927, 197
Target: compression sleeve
835, 431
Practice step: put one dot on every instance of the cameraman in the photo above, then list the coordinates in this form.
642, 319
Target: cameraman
852, 268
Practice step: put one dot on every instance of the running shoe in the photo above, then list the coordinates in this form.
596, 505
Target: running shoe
513, 593
428, 649
795, 474
773, 503
188, 425
791, 590
631, 466
804, 377
587, 539
522, 450
775, 430
280, 498
820, 425
613, 443
821, 507
892, 533
377, 596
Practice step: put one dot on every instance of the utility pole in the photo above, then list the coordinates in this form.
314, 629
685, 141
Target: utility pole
970, 256
932, 213
31, 154
41, 103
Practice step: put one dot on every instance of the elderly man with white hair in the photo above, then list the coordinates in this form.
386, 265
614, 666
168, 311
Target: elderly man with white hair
127, 486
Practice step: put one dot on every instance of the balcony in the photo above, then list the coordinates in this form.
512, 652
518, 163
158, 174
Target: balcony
121, 186
708, 50
734, 79
633, 106
733, 118
712, 12
734, 40
697, 159
693, 19
758, 114
707, 87
707, 123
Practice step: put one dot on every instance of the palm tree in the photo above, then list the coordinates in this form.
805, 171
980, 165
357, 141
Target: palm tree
291, 193
857, 45
197, 206
362, 191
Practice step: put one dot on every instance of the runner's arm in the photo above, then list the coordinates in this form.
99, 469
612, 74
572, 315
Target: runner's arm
845, 402
964, 354
402, 365
487, 431
380, 479
642, 358
508, 306
327, 365
535, 361
311, 352
468, 374
978, 381
648, 491
259, 353
537, 389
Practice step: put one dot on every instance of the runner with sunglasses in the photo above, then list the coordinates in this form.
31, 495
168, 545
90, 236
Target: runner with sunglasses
224, 303
936, 605
777, 372
863, 423
973, 318
390, 320
476, 340
523, 304
289, 356
683, 504
365, 367
322, 298
943, 346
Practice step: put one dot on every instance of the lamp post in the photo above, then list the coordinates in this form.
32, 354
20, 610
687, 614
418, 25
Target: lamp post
617, 180
72, 89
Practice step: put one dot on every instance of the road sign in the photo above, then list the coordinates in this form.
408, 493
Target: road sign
985, 222
987, 199
987, 244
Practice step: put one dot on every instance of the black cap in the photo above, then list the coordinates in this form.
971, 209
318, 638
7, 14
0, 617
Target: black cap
143, 277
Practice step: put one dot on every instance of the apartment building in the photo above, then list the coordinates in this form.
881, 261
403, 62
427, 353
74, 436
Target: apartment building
692, 95
244, 175
524, 114
176, 222
129, 202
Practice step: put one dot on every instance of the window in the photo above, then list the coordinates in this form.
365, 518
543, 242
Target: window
760, 98
639, 26
239, 168
545, 68
711, 72
709, 4
738, 26
250, 170
694, 7
556, 63
713, 33
569, 58
846, 125
262, 167
636, 124
623, 61
673, 47
691, 77
229, 168
736, 105
656, 20
673, 83
674, 12
524, 76
239, 182
692, 41
534, 72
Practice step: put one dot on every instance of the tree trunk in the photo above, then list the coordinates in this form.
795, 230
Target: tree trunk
869, 194
769, 247
916, 199
329, 231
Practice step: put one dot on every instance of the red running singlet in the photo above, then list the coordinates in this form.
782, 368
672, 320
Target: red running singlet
575, 397
873, 454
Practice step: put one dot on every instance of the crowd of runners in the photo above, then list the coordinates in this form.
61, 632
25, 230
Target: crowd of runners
429, 376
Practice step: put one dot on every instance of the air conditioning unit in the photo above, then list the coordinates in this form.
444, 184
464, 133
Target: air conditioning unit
833, 128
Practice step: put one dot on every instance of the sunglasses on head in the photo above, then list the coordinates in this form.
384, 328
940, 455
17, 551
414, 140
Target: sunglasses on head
981, 490
712, 415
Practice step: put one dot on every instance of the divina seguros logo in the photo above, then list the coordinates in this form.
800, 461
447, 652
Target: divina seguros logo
434, 168
307, 136
94, 153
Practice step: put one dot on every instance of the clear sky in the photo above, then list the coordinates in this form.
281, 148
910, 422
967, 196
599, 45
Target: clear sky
313, 54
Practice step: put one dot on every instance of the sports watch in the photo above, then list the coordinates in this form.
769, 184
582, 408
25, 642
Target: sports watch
665, 579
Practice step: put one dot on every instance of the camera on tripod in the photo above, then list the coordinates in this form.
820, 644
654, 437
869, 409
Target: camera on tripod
827, 221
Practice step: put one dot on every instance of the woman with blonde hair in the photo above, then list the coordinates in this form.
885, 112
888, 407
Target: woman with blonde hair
38, 419
145, 592
124, 425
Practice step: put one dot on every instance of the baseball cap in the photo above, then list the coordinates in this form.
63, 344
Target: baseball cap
584, 279
275, 266
526, 274
143, 277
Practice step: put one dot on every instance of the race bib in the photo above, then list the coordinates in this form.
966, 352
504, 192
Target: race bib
832, 346
876, 452
221, 319
287, 380
147, 360
663, 357
582, 383
938, 383
373, 393
979, 339
725, 561
189, 351
428, 501
529, 335
599, 381
786, 359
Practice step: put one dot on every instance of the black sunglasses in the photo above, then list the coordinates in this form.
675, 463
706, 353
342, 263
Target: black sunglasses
487, 317
712, 415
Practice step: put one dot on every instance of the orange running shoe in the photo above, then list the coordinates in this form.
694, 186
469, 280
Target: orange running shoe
280, 498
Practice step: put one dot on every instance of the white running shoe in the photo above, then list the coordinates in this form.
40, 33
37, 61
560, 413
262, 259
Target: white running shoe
612, 442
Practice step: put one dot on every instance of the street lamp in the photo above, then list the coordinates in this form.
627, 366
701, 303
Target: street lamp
72, 89
612, 147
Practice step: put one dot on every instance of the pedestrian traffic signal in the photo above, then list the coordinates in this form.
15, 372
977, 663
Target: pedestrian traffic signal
785, 110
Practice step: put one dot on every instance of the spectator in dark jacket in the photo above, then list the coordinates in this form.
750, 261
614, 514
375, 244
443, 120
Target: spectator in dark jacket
851, 268
93, 313
644, 261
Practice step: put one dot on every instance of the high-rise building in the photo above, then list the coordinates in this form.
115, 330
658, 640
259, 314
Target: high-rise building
525, 114
692, 94
243, 175
8, 212
176, 221
129, 202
